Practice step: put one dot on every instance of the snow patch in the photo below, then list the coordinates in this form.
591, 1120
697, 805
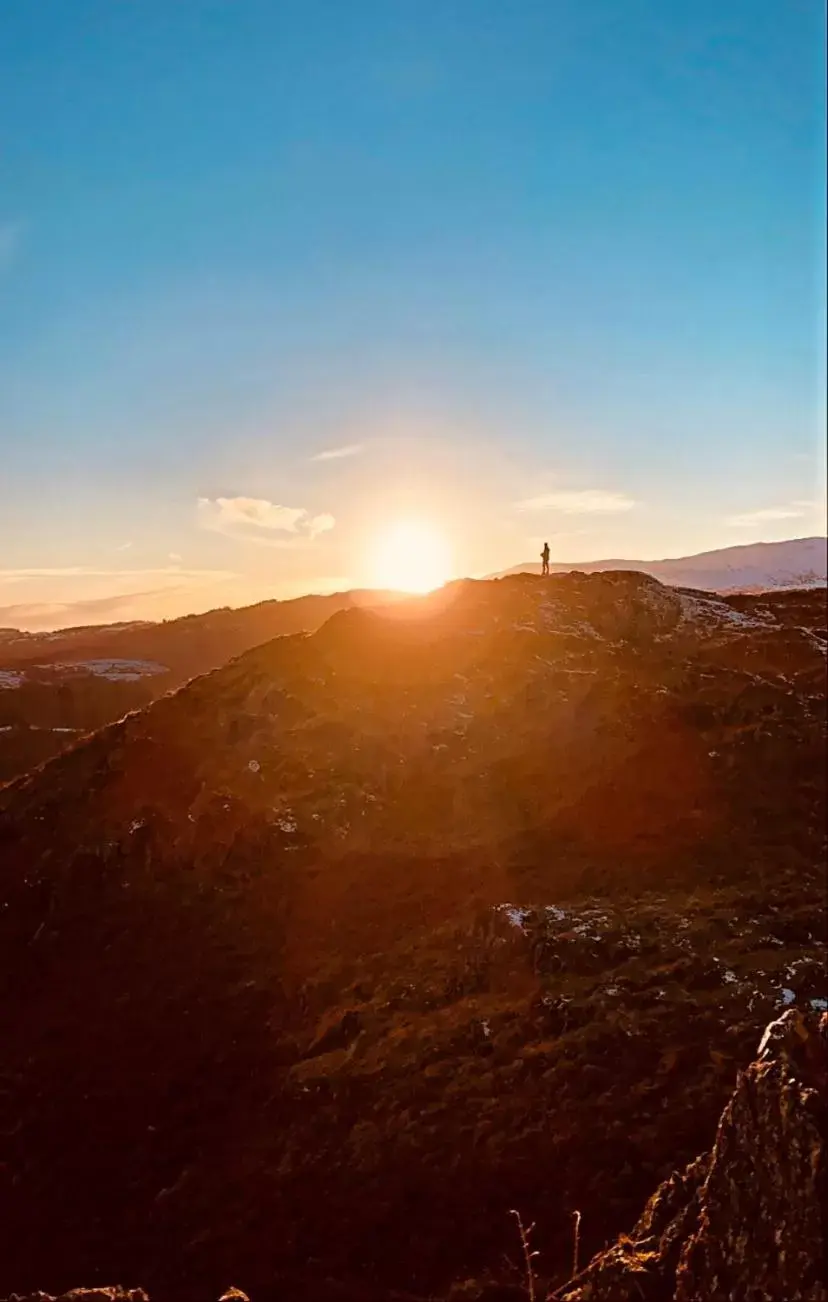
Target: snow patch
696, 609
815, 640
515, 915
36, 727
555, 912
117, 671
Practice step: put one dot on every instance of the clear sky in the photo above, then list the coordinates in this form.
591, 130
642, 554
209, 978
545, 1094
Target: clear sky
279, 276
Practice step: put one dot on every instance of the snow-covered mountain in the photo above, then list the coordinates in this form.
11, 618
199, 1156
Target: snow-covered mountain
796, 563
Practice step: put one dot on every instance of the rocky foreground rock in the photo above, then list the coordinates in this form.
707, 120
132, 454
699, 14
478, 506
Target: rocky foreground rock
742, 1223
745, 1222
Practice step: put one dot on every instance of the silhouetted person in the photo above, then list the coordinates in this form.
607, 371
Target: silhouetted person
545, 559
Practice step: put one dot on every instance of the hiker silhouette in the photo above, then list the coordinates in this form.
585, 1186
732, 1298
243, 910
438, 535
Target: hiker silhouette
545, 559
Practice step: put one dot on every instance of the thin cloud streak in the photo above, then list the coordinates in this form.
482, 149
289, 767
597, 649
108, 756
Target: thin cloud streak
89, 572
587, 501
338, 454
748, 519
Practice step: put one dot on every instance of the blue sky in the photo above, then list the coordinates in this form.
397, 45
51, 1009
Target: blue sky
538, 269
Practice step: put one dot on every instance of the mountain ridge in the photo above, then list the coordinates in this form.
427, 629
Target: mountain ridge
795, 562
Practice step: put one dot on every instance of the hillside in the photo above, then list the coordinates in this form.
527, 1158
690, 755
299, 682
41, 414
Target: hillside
55, 687
757, 567
326, 961
187, 646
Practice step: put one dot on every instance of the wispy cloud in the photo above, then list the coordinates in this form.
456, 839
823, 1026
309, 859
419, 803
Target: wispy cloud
124, 547
586, 501
258, 520
337, 454
90, 572
176, 558
766, 514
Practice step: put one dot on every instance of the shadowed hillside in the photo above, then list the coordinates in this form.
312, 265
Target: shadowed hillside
743, 1220
332, 957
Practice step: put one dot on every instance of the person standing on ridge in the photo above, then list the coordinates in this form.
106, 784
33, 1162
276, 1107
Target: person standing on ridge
545, 559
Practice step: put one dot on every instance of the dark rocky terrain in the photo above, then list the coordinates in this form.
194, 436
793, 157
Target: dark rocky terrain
743, 1221
327, 961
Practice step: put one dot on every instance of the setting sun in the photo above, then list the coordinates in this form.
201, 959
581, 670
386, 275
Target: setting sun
411, 556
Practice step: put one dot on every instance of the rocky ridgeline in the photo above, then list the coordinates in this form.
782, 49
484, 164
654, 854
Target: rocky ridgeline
742, 1223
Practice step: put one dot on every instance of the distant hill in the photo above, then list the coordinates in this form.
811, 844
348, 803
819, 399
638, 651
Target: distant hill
326, 961
187, 646
754, 567
54, 687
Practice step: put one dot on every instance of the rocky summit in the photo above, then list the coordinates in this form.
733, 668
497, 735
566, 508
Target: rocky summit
319, 966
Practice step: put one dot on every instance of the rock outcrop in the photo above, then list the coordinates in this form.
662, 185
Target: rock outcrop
744, 1222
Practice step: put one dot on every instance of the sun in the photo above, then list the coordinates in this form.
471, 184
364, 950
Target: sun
411, 556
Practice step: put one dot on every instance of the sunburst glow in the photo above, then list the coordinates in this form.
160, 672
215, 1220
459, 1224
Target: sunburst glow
411, 556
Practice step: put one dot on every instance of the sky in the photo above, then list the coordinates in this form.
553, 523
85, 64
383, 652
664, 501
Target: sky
289, 286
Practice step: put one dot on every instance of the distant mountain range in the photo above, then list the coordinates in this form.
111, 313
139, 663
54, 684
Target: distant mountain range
795, 563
